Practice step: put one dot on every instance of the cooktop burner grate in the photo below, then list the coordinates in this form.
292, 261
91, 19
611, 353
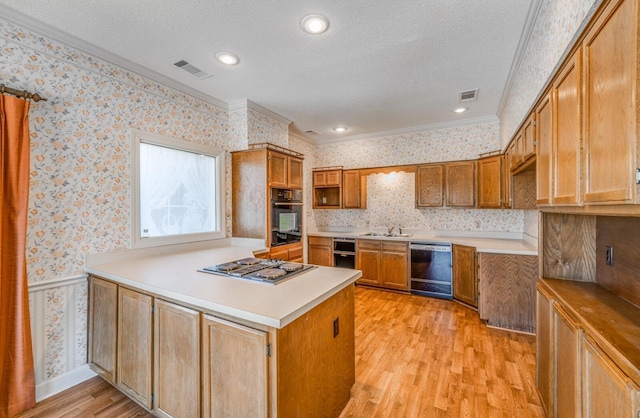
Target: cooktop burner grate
262, 270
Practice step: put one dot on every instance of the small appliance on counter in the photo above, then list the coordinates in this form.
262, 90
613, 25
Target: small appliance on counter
257, 269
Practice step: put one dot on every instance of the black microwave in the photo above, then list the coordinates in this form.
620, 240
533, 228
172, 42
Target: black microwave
286, 196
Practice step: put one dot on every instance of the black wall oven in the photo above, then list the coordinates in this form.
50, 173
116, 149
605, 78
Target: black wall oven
431, 269
286, 216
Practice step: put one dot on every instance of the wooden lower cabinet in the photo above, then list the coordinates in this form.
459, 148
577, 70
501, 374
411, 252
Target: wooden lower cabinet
545, 343
287, 252
234, 369
608, 392
567, 363
383, 263
465, 275
103, 326
135, 345
176, 360
320, 251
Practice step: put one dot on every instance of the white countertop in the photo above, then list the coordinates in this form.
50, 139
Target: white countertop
485, 242
171, 272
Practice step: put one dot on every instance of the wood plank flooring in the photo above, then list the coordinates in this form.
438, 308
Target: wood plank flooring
415, 357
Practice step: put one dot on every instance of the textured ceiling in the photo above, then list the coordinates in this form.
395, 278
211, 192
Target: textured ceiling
382, 66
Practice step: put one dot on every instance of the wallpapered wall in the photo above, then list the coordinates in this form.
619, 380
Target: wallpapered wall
391, 198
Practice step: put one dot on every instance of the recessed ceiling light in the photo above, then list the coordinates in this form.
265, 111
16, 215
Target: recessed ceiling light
460, 109
227, 58
340, 129
314, 24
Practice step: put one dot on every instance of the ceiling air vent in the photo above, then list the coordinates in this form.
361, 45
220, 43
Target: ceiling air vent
469, 96
191, 69
310, 132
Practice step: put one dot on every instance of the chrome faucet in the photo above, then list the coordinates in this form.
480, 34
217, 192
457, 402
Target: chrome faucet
389, 229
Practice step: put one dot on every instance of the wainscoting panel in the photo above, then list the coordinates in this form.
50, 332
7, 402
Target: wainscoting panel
59, 310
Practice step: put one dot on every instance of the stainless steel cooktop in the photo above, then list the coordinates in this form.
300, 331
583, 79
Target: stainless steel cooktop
261, 270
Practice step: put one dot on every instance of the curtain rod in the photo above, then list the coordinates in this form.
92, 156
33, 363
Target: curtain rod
21, 93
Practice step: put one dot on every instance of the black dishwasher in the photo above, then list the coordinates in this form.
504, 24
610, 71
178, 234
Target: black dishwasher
431, 269
344, 252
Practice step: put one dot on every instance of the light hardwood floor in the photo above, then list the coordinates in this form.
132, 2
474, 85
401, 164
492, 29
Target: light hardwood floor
415, 357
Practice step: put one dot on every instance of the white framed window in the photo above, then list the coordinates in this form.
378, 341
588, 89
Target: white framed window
177, 191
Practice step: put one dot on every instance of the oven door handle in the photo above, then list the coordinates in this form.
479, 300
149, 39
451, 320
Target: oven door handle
427, 247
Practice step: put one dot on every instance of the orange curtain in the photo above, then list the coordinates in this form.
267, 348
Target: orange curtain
17, 377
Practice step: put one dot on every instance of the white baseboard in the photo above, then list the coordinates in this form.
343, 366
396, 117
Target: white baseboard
63, 382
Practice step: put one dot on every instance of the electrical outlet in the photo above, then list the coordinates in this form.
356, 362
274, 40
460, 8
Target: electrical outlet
609, 256
336, 327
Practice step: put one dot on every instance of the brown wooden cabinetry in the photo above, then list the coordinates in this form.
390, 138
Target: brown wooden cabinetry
460, 184
320, 251
505, 182
528, 146
284, 171
354, 190
489, 182
610, 53
327, 189
429, 185
567, 364
567, 141
234, 369
176, 360
103, 326
288, 252
383, 263
135, 345
545, 343
544, 135
465, 275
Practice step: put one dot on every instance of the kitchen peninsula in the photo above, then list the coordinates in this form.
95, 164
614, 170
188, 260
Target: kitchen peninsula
181, 342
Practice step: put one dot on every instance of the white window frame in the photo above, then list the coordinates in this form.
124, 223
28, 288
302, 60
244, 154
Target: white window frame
137, 137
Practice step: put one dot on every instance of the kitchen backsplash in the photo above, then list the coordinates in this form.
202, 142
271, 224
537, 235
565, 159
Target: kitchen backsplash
391, 202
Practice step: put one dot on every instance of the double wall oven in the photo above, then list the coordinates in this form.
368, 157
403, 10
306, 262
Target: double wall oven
286, 216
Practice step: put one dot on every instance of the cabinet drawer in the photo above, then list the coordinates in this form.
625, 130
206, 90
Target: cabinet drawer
295, 253
399, 247
324, 241
368, 245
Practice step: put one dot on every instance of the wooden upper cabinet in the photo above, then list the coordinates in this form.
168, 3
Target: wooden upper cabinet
294, 168
489, 183
354, 190
327, 178
465, 275
567, 158
430, 185
460, 184
284, 171
516, 151
135, 345
528, 138
544, 127
277, 170
610, 54
505, 181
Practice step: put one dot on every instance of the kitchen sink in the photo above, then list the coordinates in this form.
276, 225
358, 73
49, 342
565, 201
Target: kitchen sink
384, 234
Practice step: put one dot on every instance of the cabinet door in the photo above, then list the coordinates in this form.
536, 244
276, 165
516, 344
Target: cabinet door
319, 178
295, 173
529, 138
135, 345
465, 275
568, 347
353, 190
334, 178
320, 251
103, 317
567, 160
277, 169
368, 260
177, 361
394, 260
489, 190
610, 77
460, 180
429, 185
505, 180
544, 350
607, 391
518, 151
234, 369
544, 128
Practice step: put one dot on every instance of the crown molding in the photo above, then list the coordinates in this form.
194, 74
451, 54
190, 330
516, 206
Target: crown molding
523, 44
67, 39
412, 130
302, 138
248, 104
